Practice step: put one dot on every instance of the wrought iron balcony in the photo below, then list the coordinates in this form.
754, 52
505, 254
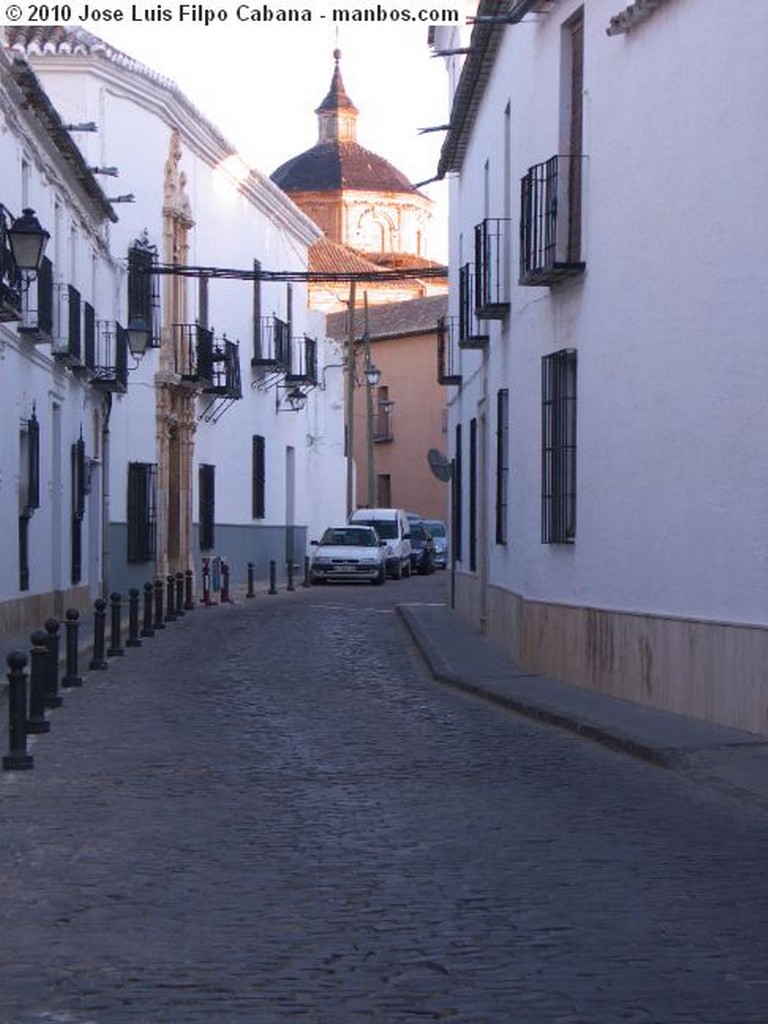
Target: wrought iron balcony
491, 268
67, 331
303, 363
193, 354
106, 353
447, 351
471, 333
273, 345
550, 221
37, 315
10, 279
225, 370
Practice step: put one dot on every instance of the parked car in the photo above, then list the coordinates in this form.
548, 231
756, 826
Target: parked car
440, 536
348, 553
422, 548
392, 526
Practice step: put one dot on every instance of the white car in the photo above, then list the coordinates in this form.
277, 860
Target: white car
349, 553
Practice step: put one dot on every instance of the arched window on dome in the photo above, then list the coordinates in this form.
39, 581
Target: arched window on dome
375, 232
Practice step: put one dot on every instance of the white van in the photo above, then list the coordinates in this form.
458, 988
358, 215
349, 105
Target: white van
392, 526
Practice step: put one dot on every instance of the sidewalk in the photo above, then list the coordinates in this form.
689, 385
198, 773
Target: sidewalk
728, 760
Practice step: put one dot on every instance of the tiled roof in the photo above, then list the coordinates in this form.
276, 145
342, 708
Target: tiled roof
332, 166
396, 319
327, 257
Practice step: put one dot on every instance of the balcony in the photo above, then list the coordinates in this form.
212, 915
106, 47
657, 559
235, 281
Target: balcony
193, 355
471, 333
447, 352
10, 280
303, 362
550, 222
273, 344
106, 353
225, 380
67, 330
491, 273
37, 316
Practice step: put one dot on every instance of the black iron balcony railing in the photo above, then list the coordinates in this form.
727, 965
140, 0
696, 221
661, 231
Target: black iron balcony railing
273, 349
10, 278
471, 333
37, 316
491, 268
193, 354
550, 221
303, 363
447, 351
67, 331
225, 379
106, 353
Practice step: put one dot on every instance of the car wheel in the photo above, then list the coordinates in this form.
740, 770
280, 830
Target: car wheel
380, 578
407, 569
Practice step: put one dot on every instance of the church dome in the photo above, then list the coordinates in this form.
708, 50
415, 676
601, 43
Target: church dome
337, 161
331, 166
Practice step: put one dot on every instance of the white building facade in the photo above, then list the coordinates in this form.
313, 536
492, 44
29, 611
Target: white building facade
53, 370
609, 239
228, 439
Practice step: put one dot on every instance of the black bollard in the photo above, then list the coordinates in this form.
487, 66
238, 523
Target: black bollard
115, 649
272, 577
71, 677
179, 594
53, 698
159, 624
146, 626
170, 615
17, 757
133, 619
189, 580
98, 661
307, 577
289, 567
38, 680
250, 591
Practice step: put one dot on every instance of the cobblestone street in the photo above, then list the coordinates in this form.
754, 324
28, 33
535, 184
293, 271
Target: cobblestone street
270, 812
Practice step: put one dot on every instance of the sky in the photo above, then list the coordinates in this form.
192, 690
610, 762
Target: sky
260, 85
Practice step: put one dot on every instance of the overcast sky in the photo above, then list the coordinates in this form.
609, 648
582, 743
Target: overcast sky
260, 84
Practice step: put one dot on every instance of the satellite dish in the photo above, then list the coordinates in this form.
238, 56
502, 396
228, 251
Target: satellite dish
440, 465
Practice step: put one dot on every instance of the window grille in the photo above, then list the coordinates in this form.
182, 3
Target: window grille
502, 464
258, 474
142, 511
558, 473
473, 481
207, 496
143, 287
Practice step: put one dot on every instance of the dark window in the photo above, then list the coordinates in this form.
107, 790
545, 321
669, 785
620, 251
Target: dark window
458, 483
502, 464
142, 511
89, 336
258, 477
207, 496
558, 442
75, 330
79, 487
473, 495
32, 500
257, 325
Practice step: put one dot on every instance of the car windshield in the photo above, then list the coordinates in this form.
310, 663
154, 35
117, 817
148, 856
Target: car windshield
386, 528
418, 532
436, 528
349, 536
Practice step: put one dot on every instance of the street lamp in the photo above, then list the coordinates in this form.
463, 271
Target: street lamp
27, 240
138, 335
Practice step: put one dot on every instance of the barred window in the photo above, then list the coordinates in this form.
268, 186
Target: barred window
207, 497
142, 511
502, 464
473, 483
143, 287
558, 443
457, 527
258, 477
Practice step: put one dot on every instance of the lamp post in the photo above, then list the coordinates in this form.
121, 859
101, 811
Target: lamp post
27, 240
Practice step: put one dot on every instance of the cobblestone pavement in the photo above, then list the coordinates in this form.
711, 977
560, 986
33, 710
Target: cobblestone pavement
270, 812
